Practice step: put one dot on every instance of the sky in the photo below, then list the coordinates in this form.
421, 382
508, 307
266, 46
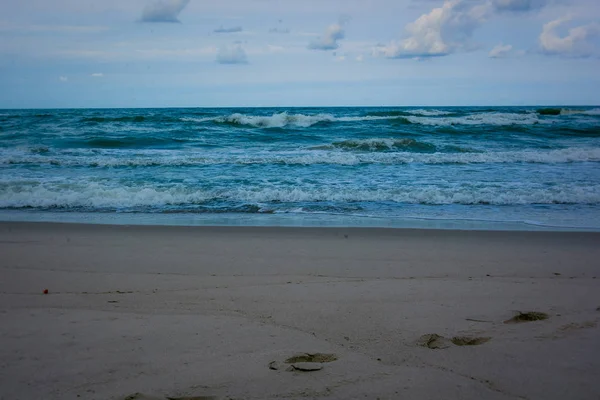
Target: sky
229, 53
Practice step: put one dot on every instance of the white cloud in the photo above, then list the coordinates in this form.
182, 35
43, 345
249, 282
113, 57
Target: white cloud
279, 30
442, 31
97, 75
232, 54
275, 49
7, 27
329, 40
179, 53
228, 30
518, 5
163, 10
501, 51
577, 43
360, 58
63, 78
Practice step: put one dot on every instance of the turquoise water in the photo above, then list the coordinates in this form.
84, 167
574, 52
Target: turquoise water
502, 167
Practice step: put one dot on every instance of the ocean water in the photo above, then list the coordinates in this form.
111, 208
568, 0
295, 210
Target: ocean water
457, 167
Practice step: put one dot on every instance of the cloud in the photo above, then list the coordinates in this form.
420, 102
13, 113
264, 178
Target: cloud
279, 30
275, 49
97, 75
232, 54
329, 40
577, 43
443, 31
501, 51
63, 78
163, 10
228, 30
360, 58
8, 27
518, 5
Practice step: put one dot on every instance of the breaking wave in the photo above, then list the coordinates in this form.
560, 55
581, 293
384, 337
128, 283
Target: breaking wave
420, 117
282, 120
93, 195
379, 145
340, 153
567, 111
488, 118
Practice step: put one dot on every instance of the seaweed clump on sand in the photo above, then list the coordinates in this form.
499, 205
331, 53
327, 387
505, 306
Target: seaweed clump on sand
527, 317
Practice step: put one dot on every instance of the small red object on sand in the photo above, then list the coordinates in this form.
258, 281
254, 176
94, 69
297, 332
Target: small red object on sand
45, 291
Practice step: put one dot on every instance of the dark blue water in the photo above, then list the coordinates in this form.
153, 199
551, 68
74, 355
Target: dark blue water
358, 165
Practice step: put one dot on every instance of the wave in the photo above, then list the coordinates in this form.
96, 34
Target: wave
418, 117
336, 156
125, 142
283, 120
136, 118
197, 120
407, 112
488, 118
278, 120
567, 111
379, 145
96, 196
131, 119
549, 111
594, 111
429, 113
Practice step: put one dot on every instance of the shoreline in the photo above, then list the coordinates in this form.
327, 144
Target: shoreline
283, 220
173, 311
308, 229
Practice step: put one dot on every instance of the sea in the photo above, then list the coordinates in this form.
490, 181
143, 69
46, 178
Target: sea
507, 168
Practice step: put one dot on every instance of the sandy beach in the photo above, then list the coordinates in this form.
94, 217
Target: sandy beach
195, 312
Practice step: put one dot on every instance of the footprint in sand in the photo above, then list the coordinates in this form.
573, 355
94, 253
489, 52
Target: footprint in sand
435, 341
141, 396
305, 362
527, 317
470, 340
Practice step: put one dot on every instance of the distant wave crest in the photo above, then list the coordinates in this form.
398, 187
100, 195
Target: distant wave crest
282, 120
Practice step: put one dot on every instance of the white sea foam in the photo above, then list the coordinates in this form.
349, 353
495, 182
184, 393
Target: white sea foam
488, 118
199, 120
327, 154
281, 120
93, 195
375, 144
278, 120
417, 116
428, 113
593, 111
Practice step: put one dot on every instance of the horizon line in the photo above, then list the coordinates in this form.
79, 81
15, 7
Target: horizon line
305, 106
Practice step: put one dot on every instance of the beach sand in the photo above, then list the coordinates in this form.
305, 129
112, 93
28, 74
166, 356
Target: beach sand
209, 311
